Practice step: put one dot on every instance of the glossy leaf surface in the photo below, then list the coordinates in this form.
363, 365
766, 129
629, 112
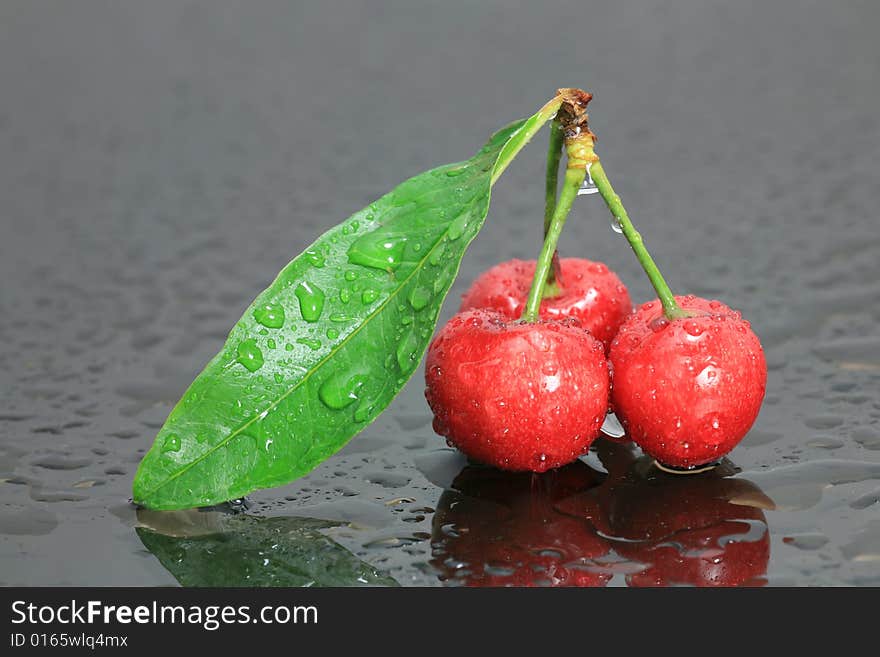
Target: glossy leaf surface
326, 347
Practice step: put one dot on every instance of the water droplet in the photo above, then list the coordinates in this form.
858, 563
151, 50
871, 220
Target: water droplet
350, 275
339, 318
271, 343
452, 173
588, 186
693, 328
332, 334
436, 256
278, 377
288, 347
270, 315
171, 443
406, 351
315, 257
369, 295
362, 412
380, 249
419, 297
311, 301
342, 389
311, 343
658, 324
249, 355
615, 225
344, 295
458, 226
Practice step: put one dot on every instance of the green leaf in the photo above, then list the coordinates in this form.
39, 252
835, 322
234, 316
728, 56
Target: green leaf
240, 550
326, 347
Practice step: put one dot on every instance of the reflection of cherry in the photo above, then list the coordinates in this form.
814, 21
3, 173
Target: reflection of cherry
565, 528
701, 529
495, 528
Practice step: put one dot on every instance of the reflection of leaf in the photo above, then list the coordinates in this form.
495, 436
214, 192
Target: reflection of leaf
247, 551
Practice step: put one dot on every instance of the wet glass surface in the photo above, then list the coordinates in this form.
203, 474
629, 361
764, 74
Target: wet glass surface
160, 163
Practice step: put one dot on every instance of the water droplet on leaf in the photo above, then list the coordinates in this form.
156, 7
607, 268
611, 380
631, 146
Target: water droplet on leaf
171, 443
270, 315
249, 355
311, 301
341, 390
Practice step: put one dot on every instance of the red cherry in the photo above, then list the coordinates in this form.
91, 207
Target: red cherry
516, 395
590, 292
687, 390
498, 528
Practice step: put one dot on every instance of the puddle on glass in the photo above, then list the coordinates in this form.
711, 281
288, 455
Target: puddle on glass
142, 214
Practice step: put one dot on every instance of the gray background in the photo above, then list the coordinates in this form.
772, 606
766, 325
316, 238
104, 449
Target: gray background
161, 161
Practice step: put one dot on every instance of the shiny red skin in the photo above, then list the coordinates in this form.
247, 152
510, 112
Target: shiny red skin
687, 390
514, 395
591, 292
498, 528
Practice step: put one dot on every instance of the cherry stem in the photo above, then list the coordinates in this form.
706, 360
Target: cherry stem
553, 286
575, 173
670, 306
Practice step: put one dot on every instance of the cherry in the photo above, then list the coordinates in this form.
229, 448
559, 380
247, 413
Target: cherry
589, 291
517, 395
687, 389
498, 528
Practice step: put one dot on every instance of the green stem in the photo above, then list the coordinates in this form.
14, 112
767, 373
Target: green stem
570, 185
554, 154
531, 127
670, 307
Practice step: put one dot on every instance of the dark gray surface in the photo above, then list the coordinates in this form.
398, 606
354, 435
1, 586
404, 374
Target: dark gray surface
161, 161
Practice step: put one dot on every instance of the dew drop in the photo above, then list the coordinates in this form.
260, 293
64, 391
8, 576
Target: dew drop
311, 343
693, 328
658, 324
362, 412
458, 226
369, 295
311, 301
436, 256
588, 186
171, 443
341, 390
315, 257
249, 355
332, 334
270, 315
419, 297
406, 351
380, 249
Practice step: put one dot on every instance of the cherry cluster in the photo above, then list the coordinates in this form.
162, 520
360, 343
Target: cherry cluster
531, 396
